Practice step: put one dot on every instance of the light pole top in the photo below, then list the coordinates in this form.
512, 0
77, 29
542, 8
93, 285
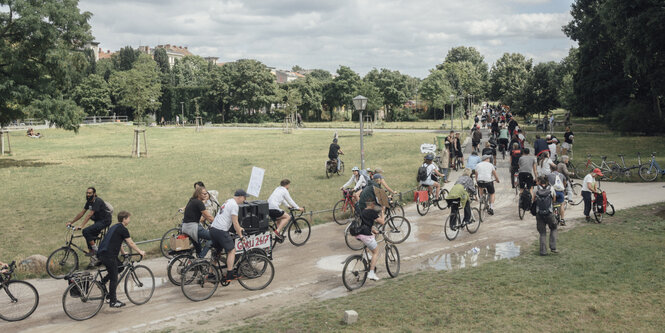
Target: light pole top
360, 102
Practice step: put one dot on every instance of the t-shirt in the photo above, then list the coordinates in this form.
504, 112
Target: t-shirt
503, 134
484, 171
99, 207
585, 184
430, 169
367, 217
489, 151
567, 137
193, 210
539, 145
526, 163
544, 167
552, 148
515, 157
473, 161
333, 152
110, 245
562, 169
223, 219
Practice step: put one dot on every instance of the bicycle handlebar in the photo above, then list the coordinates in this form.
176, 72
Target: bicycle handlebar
127, 256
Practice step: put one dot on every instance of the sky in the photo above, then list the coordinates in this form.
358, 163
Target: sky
411, 36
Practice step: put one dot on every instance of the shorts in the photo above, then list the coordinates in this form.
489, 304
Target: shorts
526, 180
503, 142
427, 182
559, 196
566, 145
368, 240
222, 239
487, 185
275, 213
475, 143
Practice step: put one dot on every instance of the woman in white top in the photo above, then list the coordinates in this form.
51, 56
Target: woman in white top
545, 165
358, 181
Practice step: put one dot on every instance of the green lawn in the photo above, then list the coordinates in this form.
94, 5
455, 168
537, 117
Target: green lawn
44, 181
421, 124
608, 277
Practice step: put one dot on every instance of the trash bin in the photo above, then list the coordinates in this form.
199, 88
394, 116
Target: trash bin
440, 142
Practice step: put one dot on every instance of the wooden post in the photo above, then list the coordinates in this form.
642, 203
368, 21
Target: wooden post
8, 149
136, 144
198, 124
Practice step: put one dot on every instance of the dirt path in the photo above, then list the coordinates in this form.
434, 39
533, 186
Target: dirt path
313, 272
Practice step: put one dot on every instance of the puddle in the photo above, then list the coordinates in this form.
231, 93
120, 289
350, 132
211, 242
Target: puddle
473, 257
332, 263
332, 293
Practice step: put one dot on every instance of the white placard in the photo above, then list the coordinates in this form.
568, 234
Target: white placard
255, 182
427, 148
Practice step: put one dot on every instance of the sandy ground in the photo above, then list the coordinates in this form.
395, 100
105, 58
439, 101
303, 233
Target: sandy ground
313, 272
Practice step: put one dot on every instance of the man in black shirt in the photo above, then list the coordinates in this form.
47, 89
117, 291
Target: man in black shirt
366, 235
108, 252
334, 151
98, 213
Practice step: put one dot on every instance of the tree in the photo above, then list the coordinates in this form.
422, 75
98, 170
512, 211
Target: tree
41, 45
321, 75
392, 86
470, 54
138, 88
374, 97
190, 71
246, 84
539, 95
162, 60
436, 89
508, 77
311, 95
124, 59
93, 95
342, 89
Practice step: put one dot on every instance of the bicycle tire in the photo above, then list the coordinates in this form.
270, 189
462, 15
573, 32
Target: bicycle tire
341, 168
397, 229
255, 268
139, 285
18, 300
474, 221
442, 203
165, 244
83, 307
423, 207
597, 215
611, 172
62, 262
299, 231
392, 260
352, 242
328, 171
199, 281
609, 209
342, 217
176, 266
577, 194
648, 173
354, 273
447, 229
520, 211
397, 210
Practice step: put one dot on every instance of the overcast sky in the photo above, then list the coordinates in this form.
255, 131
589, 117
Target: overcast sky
411, 36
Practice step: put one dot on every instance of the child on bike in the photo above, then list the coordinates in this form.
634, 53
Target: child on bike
367, 231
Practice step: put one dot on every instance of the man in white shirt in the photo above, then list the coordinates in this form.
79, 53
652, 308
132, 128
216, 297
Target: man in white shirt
588, 188
432, 170
219, 230
278, 197
486, 174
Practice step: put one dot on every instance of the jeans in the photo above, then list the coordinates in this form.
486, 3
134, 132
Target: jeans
569, 191
586, 195
446, 172
111, 264
541, 223
202, 233
90, 233
339, 161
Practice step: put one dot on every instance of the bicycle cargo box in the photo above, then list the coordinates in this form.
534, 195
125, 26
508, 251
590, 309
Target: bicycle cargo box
253, 208
420, 196
180, 243
254, 224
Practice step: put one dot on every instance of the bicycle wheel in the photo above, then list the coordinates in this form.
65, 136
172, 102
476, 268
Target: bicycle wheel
397, 209
609, 209
328, 171
18, 300
255, 272
612, 171
397, 229
341, 168
648, 173
199, 281
597, 215
61, 262
521, 212
85, 301
176, 266
341, 214
165, 243
352, 242
474, 221
139, 285
299, 231
392, 260
423, 207
450, 231
577, 194
442, 203
354, 273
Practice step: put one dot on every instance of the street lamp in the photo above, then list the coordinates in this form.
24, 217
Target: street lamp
360, 103
452, 109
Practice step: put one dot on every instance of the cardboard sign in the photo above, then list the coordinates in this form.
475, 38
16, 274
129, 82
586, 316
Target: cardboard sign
381, 197
260, 241
255, 182
427, 148
180, 244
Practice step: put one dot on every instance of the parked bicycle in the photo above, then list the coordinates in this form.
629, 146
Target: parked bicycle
255, 270
344, 209
650, 171
625, 171
356, 267
85, 295
18, 299
608, 168
298, 229
331, 168
454, 223
598, 209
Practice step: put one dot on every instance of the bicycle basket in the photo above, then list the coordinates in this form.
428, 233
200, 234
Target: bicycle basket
81, 282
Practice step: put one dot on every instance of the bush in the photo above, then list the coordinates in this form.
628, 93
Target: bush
404, 115
636, 116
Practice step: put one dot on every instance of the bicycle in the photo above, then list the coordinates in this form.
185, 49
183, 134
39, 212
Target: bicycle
85, 295
624, 170
356, 267
18, 299
200, 279
516, 182
556, 210
65, 260
521, 206
577, 192
344, 209
423, 206
454, 223
298, 229
331, 168
483, 203
596, 208
399, 228
650, 171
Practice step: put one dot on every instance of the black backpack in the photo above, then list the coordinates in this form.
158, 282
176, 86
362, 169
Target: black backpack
543, 201
422, 173
526, 199
356, 226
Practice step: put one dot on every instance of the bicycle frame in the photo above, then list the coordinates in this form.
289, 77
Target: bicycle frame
69, 239
128, 266
654, 164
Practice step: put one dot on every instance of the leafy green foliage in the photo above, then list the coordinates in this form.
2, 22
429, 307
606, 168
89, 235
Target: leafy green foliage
93, 95
138, 88
509, 77
393, 88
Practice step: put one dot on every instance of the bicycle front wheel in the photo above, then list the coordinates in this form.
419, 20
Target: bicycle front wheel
165, 243
442, 203
520, 211
397, 229
199, 281
449, 229
577, 194
354, 273
62, 262
176, 266
597, 215
392, 260
648, 173
139, 285
342, 214
83, 300
18, 300
474, 221
255, 272
397, 210
299, 231
610, 209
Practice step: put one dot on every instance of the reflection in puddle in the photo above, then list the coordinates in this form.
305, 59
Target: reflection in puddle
473, 257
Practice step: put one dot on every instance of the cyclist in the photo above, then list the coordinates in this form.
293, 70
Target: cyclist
358, 181
490, 150
334, 151
562, 168
196, 212
473, 160
589, 187
486, 175
526, 169
545, 164
368, 216
515, 154
432, 173
220, 230
503, 139
463, 190
278, 197
539, 146
108, 252
558, 183
382, 180
99, 213
367, 174
476, 136
211, 203
3, 267
495, 126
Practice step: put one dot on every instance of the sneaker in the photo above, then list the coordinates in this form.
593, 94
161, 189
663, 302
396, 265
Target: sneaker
280, 238
563, 222
116, 304
554, 251
372, 276
588, 218
212, 277
490, 211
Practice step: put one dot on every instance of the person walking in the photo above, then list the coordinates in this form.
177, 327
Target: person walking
545, 195
444, 155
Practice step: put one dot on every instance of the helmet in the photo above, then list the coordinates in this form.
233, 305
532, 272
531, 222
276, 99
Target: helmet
429, 156
355, 168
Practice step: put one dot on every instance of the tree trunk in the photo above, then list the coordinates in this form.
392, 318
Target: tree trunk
656, 102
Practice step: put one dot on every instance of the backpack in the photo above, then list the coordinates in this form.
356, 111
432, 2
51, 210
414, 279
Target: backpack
355, 227
422, 173
543, 201
109, 208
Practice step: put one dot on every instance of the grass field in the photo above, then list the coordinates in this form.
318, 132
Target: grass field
608, 277
44, 181
420, 124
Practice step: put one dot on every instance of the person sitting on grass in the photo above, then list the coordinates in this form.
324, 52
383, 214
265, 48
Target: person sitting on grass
108, 252
368, 216
31, 134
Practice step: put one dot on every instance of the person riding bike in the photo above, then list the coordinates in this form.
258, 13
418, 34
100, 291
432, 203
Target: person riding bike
278, 197
515, 154
473, 160
358, 181
476, 136
527, 170
99, 213
368, 216
195, 213
503, 139
221, 227
463, 190
486, 175
333, 153
490, 150
432, 173
540, 146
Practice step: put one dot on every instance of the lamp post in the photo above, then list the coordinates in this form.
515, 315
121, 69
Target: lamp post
360, 103
182, 113
452, 109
